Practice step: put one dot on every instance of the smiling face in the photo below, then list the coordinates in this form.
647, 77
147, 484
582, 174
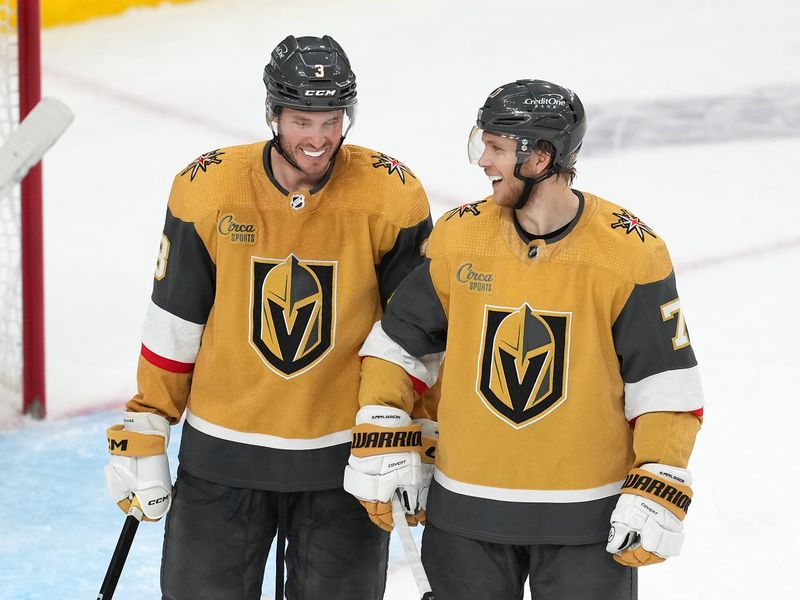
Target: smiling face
498, 160
310, 139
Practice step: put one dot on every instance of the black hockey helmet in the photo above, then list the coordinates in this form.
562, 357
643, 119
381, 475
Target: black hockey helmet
309, 73
529, 110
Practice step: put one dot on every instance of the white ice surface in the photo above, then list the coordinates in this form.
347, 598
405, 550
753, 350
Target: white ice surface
154, 88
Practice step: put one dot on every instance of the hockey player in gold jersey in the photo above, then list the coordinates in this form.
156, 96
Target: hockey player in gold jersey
570, 396
276, 259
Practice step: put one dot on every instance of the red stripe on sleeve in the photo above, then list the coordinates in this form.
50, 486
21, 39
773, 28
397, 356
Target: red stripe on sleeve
173, 366
419, 385
696, 413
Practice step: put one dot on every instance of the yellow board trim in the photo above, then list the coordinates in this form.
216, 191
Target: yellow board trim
64, 12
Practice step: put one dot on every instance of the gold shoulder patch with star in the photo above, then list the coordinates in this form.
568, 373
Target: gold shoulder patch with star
202, 162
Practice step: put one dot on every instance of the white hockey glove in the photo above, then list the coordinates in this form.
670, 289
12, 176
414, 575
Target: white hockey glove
647, 523
384, 457
415, 499
138, 465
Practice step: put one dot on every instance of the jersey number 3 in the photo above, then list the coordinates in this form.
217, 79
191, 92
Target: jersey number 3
163, 256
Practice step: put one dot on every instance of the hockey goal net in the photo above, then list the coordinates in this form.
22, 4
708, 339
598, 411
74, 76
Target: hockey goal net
21, 322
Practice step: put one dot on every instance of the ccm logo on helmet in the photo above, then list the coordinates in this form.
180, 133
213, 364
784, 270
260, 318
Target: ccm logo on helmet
320, 92
157, 501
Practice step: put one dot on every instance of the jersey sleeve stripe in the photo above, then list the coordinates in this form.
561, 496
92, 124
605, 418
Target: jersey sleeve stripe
420, 387
170, 337
424, 370
527, 496
670, 391
265, 440
173, 366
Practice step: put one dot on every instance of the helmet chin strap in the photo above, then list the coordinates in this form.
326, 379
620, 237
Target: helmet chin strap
529, 183
276, 143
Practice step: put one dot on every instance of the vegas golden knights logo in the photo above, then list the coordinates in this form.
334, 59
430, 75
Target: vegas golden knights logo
292, 312
524, 361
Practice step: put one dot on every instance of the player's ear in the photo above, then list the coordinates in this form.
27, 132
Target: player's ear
541, 158
537, 162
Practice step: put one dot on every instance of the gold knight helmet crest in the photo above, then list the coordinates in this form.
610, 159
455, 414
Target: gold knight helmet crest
292, 303
293, 312
524, 362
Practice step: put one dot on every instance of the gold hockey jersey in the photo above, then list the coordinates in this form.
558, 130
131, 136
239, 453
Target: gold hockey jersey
262, 297
553, 351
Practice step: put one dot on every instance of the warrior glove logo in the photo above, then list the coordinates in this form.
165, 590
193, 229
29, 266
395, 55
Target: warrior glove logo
292, 312
524, 363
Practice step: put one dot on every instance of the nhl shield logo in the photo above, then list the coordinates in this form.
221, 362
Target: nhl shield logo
293, 312
524, 362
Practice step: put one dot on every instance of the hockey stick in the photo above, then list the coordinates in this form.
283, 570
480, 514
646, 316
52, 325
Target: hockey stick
280, 547
28, 143
410, 548
121, 551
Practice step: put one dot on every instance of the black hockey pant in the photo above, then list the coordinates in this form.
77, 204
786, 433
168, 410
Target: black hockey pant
217, 539
465, 569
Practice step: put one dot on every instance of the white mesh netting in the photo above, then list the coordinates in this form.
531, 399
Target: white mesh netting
10, 277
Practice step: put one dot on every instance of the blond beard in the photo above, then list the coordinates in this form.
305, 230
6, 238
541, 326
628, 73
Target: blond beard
510, 195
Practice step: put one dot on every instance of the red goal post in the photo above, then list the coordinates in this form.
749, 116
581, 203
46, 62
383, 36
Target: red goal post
22, 355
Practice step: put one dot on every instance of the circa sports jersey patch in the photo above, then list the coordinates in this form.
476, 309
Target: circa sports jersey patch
524, 362
202, 162
632, 224
392, 165
292, 312
472, 208
236, 232
473, 279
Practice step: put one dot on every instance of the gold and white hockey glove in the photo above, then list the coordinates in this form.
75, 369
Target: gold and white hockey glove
384, 458
138, 466
415, 500
647, 523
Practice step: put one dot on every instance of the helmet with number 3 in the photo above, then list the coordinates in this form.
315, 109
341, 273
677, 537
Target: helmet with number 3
309, 73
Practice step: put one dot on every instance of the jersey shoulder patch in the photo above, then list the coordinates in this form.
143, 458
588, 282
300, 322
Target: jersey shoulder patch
465, 210
208, 180
470, 227
381, 164
202, 163
628, 223
643, 254
383, 185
